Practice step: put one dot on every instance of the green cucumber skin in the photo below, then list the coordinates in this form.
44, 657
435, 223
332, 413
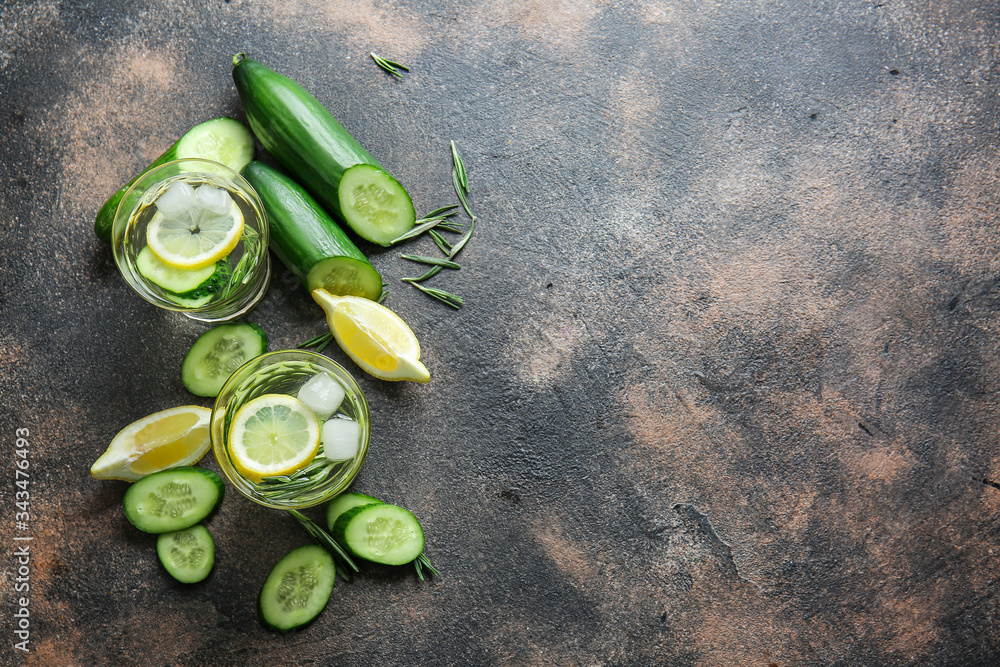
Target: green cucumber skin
301, 233
252, 341
345, 502
273, 619
104, 222
298, 131
106, 216
340, 527
301, 134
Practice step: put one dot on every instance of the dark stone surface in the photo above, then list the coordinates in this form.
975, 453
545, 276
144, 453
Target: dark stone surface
725, 387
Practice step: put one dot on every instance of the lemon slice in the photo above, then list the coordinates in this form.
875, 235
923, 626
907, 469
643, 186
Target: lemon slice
194, 227
175, 437
376, 338
273, 434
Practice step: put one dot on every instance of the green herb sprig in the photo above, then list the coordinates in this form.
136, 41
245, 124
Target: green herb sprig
342, 562
421, 562
317, 343
390, 66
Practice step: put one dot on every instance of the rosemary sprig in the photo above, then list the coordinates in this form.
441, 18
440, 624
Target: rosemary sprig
434, 261
342, 562
390, 66
317, 343
430, 274
453, 300
432, 219
441, 242
421, 562
459, 168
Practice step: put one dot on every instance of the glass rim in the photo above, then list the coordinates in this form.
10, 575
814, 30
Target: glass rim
247, 294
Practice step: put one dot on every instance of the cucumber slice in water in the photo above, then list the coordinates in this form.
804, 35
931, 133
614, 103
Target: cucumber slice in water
173, 499
217, 353
297, 589
188, 555
183, 283
344, 502
386, 534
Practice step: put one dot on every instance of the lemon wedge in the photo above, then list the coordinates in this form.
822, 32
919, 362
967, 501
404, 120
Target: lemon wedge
175, 437
194, 227
376, 338
273, 434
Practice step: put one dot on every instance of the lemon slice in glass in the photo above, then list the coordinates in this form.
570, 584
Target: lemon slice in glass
273, 434
194, 227
175, 437
376, 338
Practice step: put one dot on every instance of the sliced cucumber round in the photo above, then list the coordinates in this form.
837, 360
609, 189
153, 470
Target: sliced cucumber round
374, 204
386, 534
344, 502
188, 555
173, 499
178, 281
345, 275
297, 589
217, 353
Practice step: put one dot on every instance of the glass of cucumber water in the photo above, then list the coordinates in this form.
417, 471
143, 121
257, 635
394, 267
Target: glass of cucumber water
290, 429
191, 236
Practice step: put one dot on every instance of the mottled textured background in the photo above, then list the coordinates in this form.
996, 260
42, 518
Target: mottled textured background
724, 390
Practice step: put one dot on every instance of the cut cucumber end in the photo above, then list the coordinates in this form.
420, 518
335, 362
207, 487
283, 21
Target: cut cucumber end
345, 276
344, 502
217, 353
297, 589
374, 204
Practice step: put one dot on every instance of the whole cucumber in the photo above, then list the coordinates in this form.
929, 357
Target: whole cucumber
308, 241
320, 154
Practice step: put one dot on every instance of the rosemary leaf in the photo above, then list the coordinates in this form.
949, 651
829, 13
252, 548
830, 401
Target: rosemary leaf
420, 229
430, 274
461, 195
436, 261
323, 538
385, 293
459, 168
443, 211
390, 66
421, 562
450, 227
455, 249
442, 244
453, 300
317, 344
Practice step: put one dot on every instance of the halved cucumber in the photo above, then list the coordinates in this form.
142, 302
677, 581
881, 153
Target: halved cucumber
375, 204
297, 589
217, 353
308, 241
344, 502
223, 140
381, 533
173, 499
188, 555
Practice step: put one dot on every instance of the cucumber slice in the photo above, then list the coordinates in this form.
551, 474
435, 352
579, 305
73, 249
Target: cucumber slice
188, 555
173, 499
183, 283
344, 502
217, 353
374, 204
297, 589
221, 139
386, 534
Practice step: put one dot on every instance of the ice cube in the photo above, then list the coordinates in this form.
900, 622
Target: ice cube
340, 439
322, 394
177, 198
213, 198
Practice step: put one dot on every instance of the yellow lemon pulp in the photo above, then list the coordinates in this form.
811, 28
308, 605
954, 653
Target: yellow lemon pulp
199, 233
175, 437
377, 339
273, 434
